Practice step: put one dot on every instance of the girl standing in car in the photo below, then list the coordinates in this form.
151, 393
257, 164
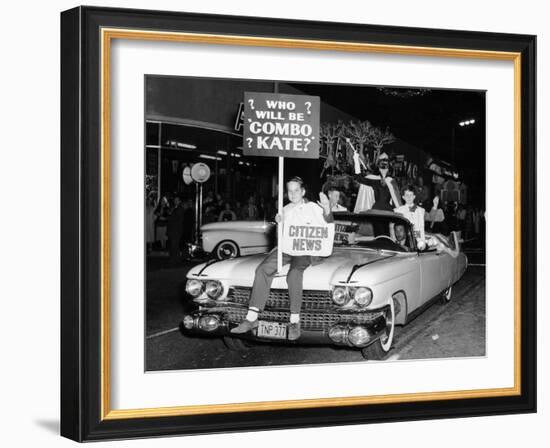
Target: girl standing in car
386, 191
415, 214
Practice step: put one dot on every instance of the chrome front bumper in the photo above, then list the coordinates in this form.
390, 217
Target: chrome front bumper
368, 326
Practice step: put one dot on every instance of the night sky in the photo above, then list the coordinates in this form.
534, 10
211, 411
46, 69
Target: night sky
421, 117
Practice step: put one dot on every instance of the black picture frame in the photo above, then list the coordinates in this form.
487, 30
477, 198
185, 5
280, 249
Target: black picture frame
81, 209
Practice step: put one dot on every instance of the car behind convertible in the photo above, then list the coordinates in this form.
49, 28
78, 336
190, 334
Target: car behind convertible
353, 298
230, 239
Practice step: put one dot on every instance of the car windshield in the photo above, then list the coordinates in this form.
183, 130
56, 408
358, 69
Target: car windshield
373, 232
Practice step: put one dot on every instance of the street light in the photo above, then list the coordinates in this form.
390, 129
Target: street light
462, 123
467, 122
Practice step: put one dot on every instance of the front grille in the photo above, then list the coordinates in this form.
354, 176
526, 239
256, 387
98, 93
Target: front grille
313, 321
278, 299
318, 311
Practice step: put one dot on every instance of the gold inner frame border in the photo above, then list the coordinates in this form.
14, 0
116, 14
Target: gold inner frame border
107, 35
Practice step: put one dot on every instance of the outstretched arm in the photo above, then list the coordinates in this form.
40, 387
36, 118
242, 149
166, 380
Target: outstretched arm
369, 180
325, 205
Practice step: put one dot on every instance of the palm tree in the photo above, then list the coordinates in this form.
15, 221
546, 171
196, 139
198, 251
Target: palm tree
329, 134
380, 139
362, 134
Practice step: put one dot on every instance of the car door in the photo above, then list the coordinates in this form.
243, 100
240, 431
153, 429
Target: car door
431, 274
449, 264
448, 268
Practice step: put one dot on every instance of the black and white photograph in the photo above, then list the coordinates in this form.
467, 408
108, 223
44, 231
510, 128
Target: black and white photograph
292, 223
255, 224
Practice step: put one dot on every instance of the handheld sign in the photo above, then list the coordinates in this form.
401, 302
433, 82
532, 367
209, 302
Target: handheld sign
307, 233
342, 232
281, 125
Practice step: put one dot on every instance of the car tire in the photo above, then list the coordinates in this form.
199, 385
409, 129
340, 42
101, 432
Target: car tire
226, 250
446, 296
379, 350
236, 344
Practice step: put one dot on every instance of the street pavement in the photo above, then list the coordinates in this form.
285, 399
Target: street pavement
456, 329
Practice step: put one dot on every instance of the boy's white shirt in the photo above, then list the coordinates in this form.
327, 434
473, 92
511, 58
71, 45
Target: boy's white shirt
314, 210
416, 218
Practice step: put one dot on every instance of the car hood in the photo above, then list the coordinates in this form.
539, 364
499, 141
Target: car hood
340, 267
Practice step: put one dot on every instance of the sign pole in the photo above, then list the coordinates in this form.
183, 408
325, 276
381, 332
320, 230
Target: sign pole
197, 225
159, 163
200, 206
280, 204
280, 212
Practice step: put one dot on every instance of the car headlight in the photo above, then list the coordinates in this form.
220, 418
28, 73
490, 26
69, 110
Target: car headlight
362, 296
340, 295
194, 287
213, 289
209, 322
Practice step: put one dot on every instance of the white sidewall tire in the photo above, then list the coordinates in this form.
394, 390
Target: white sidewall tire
448, 294
386, 345
232, 245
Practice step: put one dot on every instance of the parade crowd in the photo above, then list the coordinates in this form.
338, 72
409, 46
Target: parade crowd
170, 221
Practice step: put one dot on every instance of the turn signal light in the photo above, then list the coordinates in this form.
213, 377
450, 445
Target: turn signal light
359, 336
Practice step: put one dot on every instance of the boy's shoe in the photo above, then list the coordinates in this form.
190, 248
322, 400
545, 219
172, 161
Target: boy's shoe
245, 326
293, 331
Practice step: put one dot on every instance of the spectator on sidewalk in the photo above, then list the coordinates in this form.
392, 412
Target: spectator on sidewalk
188, 226
161, 213
175, 229
150, 221
250, 211
227, 214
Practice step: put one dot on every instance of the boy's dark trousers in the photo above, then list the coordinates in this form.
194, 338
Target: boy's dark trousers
264, 277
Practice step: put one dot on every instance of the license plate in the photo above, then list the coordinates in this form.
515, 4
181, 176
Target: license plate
273, 330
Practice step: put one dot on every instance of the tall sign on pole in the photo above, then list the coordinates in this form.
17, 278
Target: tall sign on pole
281, 125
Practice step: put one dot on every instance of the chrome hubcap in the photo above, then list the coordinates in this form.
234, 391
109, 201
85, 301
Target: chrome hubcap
226, 251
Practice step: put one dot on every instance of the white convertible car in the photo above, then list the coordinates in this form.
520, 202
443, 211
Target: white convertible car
353, 298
